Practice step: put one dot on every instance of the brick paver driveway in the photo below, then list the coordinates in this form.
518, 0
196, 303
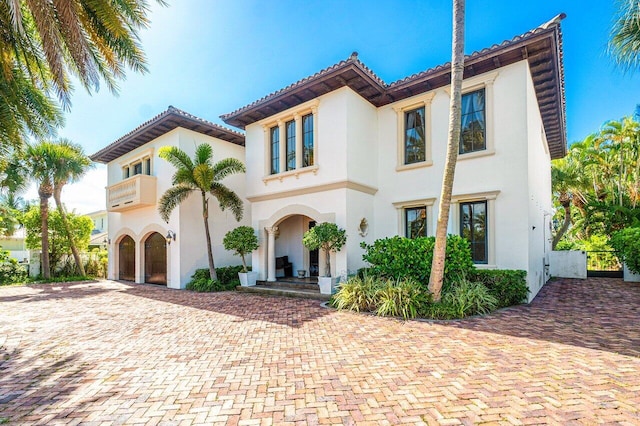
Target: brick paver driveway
108, 353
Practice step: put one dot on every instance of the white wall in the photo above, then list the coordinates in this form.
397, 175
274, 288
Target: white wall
540, 198
568, 264
189, 251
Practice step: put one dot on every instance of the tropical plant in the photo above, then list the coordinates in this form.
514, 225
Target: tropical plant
242, 241
328, 237
626, 242
509, 287
58, 243
202, 176
624, 45
358, 294
69, 165
469, 298
401, 298
401, 258
227, 279
44, 43
10, 270
455, 121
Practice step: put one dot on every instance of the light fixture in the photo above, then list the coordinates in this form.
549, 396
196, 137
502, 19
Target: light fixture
170, 236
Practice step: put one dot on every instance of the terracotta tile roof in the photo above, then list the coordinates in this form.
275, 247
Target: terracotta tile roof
161, 124
541, 47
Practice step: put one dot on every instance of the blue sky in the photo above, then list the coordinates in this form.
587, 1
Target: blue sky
210, 57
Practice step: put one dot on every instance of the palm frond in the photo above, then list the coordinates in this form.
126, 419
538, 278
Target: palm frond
203, 176
203, 155
226, 167
171, 199
228, 199
177, 157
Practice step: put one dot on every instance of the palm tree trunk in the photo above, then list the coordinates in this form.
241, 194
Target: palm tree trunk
57, 190
205, 216
566, 204
44, 229
457, 70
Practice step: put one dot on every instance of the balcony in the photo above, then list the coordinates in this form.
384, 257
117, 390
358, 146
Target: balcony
132, 193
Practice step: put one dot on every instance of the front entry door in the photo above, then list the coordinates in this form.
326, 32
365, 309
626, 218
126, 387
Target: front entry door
314, 267
155, 259
127, 259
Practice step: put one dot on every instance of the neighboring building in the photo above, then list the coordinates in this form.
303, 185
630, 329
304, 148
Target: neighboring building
16, 245
137, 178
343, 146
100, 232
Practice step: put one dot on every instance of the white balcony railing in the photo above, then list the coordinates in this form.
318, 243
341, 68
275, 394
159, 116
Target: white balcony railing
132, 193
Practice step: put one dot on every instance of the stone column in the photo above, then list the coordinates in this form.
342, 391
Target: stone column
271, 252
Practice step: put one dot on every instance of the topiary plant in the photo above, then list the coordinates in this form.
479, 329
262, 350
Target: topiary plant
328, 237
241, 241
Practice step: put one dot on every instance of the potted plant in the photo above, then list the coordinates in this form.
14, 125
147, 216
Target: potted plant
329, 238
242, 240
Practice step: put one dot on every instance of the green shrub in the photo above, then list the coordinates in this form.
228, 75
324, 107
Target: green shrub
626, 242
509, 287
357, 294
399, 257
469, 298
242, 241
401, 298
227, 279
11, 271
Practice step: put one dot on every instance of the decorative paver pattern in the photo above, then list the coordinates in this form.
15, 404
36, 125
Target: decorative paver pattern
114, 353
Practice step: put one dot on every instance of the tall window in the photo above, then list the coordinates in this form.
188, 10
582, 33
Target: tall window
414, 140
473, 227
307, 140
274, 133
415, 219
290, 127
147, 166
137, 168
473, 132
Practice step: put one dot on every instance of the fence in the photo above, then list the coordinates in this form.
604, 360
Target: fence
603, 263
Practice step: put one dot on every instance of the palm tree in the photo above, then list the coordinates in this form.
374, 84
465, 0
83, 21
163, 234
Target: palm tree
203, 176
566, 185
457, 69
45, 43
69, 164
624, 45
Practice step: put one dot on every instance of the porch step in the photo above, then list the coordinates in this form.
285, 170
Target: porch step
292, 283
291, 290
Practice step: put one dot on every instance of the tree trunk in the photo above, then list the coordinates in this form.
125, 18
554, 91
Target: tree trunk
205, 216
566, 204
457, 70
44, 230
244, 264
57, 190
327, 263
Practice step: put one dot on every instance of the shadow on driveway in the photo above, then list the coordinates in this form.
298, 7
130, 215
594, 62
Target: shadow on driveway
596, 313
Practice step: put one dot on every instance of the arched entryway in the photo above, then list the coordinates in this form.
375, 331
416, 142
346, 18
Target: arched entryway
127, 259
155, 259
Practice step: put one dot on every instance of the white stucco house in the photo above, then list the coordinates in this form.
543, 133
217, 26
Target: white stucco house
343, 146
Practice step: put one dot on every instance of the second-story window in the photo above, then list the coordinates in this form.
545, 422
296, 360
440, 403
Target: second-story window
414, 137
274, 135
473, 131
290, 127
137, 168
307, 140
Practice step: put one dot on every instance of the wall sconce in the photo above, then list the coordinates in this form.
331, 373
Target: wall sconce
170, 236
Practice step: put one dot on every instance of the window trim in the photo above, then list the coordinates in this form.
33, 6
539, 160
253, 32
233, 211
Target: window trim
490, 197
400, 206
472, 84
421, 101
127, 166
280, 120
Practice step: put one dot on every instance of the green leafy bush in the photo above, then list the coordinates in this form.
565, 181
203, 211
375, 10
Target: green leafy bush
357, 294
242, 241
96, 265
401, 298
627, 243
508, 286
227, 279
399, 257
469, 298
11, 271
